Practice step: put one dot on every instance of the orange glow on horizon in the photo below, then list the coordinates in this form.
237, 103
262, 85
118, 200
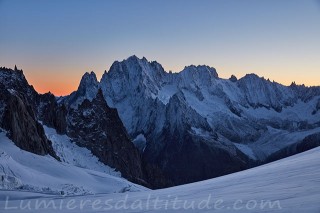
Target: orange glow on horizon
61, 86
57, 90
57, 85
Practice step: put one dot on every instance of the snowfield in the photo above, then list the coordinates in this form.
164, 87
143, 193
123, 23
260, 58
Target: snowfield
25, 171
70, 153
288, 185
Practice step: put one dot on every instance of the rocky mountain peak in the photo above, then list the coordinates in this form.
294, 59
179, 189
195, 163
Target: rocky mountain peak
133, 58
233, 78
132, 76
197, 76
203, 69
88, 79
11, 77
87, 89
251, 76
136, 66
18, 114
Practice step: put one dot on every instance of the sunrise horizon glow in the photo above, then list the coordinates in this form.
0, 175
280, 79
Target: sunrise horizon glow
56, 42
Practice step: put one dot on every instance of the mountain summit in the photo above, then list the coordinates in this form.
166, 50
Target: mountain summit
217, 125
160, 128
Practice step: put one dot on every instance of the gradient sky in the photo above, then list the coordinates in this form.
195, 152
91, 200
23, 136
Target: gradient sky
56, 41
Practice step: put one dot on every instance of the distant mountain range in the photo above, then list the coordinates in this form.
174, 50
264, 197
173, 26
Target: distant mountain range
160, 128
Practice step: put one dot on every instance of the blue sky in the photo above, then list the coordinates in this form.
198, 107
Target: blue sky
56, 41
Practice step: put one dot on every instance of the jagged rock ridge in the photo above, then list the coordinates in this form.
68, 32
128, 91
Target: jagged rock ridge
195, 118
93, 124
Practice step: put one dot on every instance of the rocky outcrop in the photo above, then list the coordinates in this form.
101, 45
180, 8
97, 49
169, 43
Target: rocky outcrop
233, 78
51, 113
87, 89
98, 127
20, 121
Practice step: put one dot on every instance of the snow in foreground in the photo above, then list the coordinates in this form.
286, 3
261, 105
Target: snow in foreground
78, 174
288, 185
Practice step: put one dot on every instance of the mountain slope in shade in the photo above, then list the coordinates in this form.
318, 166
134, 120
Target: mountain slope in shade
98, 127
287, 186
25, 171
217, 125
18, 113
93, 125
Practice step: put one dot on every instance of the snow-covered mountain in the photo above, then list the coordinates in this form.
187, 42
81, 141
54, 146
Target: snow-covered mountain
149, 124
290, 185
216, 125
93, 125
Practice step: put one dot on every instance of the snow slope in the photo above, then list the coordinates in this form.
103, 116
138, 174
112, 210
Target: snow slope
71, 153
21, 170
289, 185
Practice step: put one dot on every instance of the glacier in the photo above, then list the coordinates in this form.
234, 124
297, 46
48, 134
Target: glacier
290, 185
78, 173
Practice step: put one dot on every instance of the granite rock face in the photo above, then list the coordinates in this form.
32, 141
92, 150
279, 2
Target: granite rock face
19, 115
52, 114
23, 127
98, 127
